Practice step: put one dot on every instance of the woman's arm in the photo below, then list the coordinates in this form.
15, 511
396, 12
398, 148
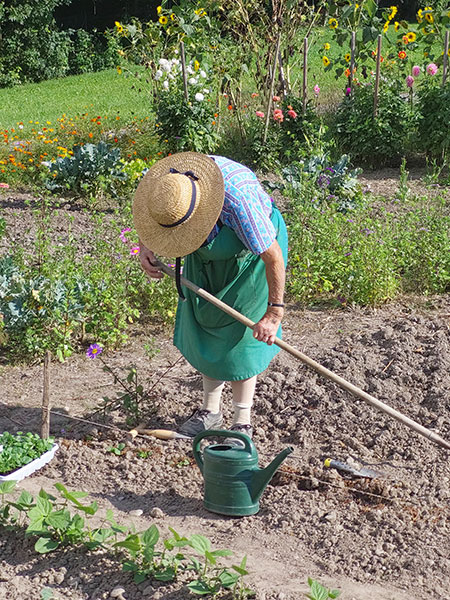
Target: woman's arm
266, 329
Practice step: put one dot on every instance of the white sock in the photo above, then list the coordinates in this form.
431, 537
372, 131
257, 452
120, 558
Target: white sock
212, 393
243, 392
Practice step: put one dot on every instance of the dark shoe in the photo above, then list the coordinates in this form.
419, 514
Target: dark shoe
200, 421
241, 428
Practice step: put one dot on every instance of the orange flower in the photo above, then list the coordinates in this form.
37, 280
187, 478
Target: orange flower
230, 107
405, 39
347, 72
402, 55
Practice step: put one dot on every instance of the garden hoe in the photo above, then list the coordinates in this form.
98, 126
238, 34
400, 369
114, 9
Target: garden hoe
167, 434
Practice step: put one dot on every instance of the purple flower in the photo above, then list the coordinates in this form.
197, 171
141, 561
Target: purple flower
416, 71
348, 254
134, 250
350, 220
323, 181
367, 231
410, 81
94, 350
348, 91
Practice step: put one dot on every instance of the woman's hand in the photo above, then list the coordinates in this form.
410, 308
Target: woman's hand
148, 262
267, 328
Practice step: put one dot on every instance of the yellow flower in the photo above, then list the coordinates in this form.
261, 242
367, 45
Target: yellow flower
394, 11
119, 70
325, 60
326, 46
119, 27
420, 16
333, 23
347, 57
385, 26
396, 25
429, 17
163, 20
196, 65
411, 36
172, 16
158, 9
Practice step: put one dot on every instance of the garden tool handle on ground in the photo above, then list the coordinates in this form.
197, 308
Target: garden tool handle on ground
311, 363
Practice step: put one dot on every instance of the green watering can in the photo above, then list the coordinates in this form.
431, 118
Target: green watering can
233, 481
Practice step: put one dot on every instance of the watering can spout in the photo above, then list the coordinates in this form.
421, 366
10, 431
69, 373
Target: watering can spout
261, 477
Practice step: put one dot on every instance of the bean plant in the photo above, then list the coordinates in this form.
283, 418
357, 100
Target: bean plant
66, 522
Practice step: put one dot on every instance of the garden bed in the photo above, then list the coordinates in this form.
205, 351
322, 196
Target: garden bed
375, 540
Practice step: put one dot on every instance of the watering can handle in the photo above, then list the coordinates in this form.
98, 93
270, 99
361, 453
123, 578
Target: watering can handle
217, 433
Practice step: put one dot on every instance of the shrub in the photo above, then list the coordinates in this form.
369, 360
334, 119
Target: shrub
434, 119
374, 140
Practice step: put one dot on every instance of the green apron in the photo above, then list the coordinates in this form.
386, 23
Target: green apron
211, 340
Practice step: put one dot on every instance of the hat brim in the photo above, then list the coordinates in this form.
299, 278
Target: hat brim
190, 235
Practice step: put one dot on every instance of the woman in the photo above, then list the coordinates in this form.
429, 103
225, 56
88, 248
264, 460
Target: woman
215, 213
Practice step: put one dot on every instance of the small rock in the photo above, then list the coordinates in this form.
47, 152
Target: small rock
117, 592
148, 591
157, 513
136, 513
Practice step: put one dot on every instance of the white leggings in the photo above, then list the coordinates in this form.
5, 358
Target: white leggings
243, 392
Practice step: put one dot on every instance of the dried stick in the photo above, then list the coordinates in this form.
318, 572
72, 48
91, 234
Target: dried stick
445, 63
305, 72
45, 422
183, 69
272, 82
377, 78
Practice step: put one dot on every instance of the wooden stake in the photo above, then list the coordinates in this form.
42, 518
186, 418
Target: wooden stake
183, 69
352, 60
445, 63
377, 78
45, 421
272, 81
305, 73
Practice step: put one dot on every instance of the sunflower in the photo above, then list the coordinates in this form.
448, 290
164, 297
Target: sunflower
325, 60
420, 16
163, 20
158, 9
172, 16
326, 46
385, 26
333, 23
347, 57
393, 12
411, 36
396, 25
429, 17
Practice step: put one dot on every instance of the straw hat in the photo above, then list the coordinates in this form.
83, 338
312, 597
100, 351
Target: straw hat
177, 203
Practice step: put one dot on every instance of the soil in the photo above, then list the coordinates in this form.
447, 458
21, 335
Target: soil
385, 538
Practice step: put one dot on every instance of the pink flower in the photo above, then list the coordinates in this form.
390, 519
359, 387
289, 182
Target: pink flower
291, 113
432, 69
348, 91
5, 186
410, 81
134, 250
122, 234
416, 71
276, 98
316, 89
259, 114
278, 115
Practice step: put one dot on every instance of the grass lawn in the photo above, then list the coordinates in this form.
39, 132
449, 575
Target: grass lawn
102, 93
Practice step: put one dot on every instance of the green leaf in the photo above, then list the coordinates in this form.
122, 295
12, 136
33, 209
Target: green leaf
318, 591
7, 486
151, 536
44, 545
334, 594
132, 542
59, 519
200, 588
200, 543
210, 557
46, 594
228, 579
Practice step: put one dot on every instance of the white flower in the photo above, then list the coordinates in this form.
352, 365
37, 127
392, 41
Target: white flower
175, 61
158, 75
190, 70
203, 74
199, 97
170, 76
206, 91
192, 81
166, 85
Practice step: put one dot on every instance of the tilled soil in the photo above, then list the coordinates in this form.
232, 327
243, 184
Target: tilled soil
385, 538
